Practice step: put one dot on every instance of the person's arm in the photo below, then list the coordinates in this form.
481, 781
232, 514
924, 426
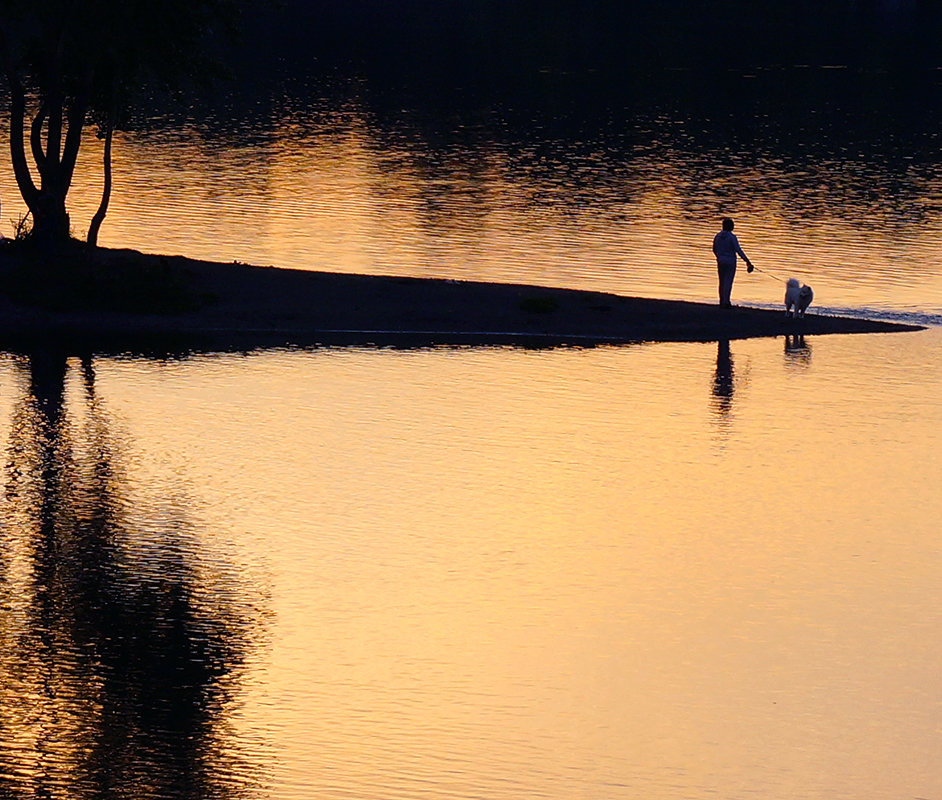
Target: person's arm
744, 257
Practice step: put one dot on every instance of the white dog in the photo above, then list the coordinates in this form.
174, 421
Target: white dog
798, 297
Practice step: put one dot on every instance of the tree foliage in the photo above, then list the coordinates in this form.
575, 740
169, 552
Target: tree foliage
71, 62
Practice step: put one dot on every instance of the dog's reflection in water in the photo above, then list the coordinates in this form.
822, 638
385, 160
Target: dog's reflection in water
797, 351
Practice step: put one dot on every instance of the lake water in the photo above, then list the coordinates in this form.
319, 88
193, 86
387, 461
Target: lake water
664, 570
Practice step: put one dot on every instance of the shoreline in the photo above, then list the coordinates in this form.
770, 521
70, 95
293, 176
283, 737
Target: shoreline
234, 306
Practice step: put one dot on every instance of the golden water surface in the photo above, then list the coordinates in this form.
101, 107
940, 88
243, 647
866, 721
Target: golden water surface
661, 571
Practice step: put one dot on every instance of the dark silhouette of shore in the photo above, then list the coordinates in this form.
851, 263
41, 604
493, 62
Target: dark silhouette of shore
120, 299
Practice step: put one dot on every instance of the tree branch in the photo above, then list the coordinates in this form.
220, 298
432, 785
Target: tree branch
24, 180
36, 137
53, 103
73, 139
99, 217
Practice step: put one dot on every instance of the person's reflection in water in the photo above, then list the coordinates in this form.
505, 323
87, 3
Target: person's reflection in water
116, 665
723, 382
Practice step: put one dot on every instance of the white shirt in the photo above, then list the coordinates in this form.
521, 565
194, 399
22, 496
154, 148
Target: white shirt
726, 247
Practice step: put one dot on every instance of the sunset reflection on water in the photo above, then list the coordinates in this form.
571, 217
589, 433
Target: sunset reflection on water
644, 587
117, 649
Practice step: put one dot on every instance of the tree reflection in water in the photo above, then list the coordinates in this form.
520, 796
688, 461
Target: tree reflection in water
116, 665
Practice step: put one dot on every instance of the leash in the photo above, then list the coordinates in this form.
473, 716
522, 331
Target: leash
773, 277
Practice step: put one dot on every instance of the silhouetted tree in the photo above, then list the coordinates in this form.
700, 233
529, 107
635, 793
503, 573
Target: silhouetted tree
68, 63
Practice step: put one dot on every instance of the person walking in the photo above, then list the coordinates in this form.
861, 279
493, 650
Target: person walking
726, 248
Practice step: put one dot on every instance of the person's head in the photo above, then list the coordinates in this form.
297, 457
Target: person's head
727, 224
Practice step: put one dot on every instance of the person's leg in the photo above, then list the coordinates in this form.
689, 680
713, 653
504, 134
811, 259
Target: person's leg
726, 275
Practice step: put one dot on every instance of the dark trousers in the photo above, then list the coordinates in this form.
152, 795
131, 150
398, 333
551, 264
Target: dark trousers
726, 274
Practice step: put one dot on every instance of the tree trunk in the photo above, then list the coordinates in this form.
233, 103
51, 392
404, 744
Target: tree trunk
50, 219
46, 203
99, 217
24, 180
